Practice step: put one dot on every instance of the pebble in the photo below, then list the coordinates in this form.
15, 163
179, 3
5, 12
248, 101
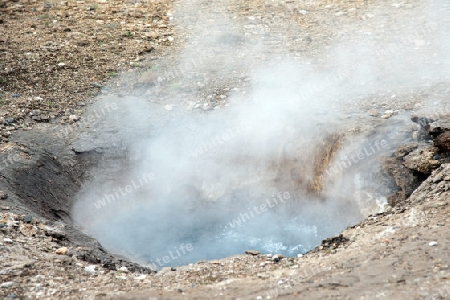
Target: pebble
61, 251
96, 84
299, 255
7, 284
432, 244
61, 64
28, 219
206, 106
35, 112
123, 269
3, 195
12, 296
396, 279
387, 114
39, 277
252, 252
9, 120
259, 297
373, 113
90, 269
263, 264
168, 107
73, 118
15, 95
7, 240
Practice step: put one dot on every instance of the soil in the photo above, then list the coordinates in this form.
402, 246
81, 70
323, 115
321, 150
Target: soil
60, 59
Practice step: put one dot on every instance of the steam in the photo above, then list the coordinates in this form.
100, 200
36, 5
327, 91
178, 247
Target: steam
253, 173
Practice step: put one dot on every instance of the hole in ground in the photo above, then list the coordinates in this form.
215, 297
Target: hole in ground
146, 201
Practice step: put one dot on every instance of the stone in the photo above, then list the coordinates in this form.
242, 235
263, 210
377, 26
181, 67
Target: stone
73, 118
373, 113
442, 141
28, 219
123, 269
422, 160
96, 84
396, 278
90, 269
35, 112
55, 232
207, 106
252, 252
61, 251
7, 284
387, 114
432, 244
9, 120
3, 195
28, 229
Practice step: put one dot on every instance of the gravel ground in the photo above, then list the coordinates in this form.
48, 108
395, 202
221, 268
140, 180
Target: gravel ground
57, 56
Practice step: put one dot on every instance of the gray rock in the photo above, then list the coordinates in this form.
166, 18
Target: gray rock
252, 252
3, 195
73, 118
421, 160
9, 120
7, 284
96, 84
28, 219
35, 112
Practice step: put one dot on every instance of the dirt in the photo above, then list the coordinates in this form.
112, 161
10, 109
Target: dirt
55, 59
57, 55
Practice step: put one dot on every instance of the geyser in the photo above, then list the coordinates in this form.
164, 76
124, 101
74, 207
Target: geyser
256, 173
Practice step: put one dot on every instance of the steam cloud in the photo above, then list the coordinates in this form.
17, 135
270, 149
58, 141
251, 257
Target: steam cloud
206, 171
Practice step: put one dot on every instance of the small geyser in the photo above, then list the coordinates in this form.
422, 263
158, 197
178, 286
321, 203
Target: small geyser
291, 159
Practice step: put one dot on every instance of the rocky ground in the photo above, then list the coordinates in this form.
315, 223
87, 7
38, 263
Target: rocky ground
56, 57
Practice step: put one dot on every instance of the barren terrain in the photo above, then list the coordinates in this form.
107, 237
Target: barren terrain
62, 63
